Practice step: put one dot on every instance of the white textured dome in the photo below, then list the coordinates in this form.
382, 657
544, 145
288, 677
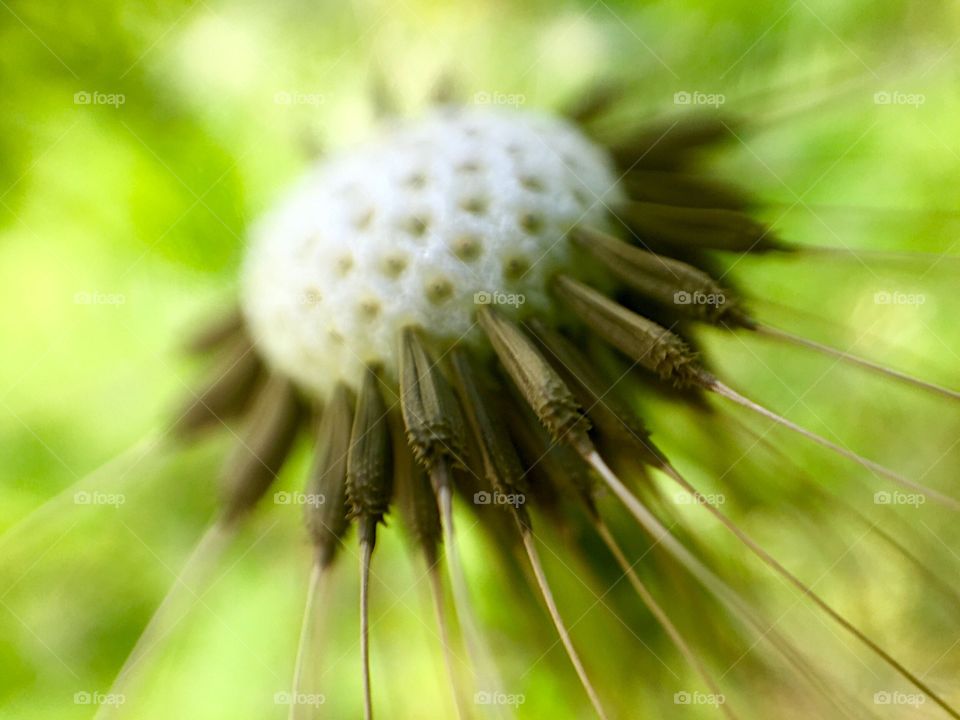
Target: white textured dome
418, 226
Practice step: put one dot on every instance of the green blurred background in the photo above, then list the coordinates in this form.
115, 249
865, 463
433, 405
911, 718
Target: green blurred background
137, 142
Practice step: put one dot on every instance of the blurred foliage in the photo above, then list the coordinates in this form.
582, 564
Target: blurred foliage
121, 224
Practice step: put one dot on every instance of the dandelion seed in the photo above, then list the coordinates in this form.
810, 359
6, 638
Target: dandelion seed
369, 488
501, 466
227, 391
325, 513
692, 293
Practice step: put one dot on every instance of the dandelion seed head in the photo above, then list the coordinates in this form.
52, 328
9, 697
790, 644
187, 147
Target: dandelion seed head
418, 226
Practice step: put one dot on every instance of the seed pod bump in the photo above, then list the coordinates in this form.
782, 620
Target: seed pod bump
257, 459
540, 385
326, 509
683, 288
431, 413
369, 462
652, 346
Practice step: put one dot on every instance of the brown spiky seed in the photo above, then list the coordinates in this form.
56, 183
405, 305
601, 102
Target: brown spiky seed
369, 462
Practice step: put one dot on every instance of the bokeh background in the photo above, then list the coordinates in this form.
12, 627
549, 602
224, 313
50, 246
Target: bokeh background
139, 140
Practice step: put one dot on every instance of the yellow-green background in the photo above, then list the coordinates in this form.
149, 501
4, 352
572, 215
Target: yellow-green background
150, 201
